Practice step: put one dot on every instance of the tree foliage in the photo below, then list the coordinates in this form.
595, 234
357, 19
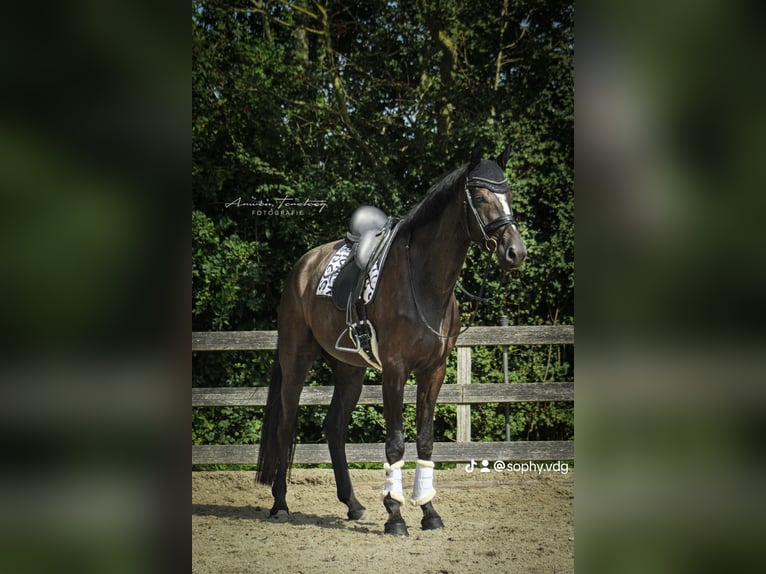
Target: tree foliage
370, 102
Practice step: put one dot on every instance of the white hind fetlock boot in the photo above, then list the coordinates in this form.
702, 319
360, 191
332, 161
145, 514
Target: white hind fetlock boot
423, 490
394, 481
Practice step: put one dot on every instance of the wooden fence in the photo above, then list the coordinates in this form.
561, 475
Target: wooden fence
463, 394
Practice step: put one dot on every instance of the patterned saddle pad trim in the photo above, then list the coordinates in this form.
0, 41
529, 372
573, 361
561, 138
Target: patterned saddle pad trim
336, 263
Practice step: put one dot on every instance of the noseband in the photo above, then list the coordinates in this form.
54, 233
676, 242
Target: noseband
487, 229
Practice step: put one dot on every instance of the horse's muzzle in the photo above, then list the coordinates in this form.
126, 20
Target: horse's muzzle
513, 256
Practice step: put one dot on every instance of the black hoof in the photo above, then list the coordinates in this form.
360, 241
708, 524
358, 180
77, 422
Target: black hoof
431, 523
279, 513
397, 529
356, 514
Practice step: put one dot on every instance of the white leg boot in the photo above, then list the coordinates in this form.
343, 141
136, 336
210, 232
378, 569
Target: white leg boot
423, 490
394, 481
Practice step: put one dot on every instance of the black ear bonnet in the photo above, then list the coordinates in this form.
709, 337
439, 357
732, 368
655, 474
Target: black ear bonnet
489, 175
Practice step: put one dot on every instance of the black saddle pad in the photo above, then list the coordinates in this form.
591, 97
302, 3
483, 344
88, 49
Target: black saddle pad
345, 283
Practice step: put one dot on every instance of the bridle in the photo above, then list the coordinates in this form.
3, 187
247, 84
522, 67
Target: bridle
499, 187
487, 229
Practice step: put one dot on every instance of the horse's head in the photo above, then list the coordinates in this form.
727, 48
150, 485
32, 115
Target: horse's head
489, 212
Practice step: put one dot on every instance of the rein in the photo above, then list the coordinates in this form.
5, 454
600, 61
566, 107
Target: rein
417, 305
487, 175
490, 245
480, 297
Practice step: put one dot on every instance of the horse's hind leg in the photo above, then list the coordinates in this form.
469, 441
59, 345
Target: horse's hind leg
429, 383
295, 358
348, 387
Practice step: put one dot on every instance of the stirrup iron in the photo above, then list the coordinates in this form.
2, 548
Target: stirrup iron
365, 344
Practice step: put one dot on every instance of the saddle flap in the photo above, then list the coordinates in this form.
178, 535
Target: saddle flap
345, 283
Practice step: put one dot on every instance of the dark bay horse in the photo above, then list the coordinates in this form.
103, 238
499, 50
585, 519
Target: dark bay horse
416, 317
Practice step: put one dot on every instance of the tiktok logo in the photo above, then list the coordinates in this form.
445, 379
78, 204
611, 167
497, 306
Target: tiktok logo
471, 465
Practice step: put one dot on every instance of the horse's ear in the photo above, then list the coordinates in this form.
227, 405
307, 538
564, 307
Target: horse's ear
502, 159
475, 157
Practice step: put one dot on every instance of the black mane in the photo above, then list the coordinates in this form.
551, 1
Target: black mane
435, 200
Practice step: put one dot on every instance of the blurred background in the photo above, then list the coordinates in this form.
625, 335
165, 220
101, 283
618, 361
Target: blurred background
670, 385
94, 368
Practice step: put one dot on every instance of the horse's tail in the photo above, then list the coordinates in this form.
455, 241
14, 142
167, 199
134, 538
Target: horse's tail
268, 453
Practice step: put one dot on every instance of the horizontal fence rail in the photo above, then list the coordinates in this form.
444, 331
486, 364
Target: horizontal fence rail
267, 340
463, 394
373, 395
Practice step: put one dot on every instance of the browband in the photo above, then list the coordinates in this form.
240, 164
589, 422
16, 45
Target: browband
494, 186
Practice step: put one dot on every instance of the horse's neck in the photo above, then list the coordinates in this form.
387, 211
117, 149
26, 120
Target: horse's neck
439, 250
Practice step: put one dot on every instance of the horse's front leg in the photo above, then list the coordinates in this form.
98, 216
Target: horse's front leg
429, 384
393, 497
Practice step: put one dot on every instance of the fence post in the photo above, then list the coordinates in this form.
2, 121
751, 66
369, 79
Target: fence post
504, 323
464, 378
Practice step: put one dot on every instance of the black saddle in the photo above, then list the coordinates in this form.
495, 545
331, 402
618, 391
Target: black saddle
370, 235
365, 231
